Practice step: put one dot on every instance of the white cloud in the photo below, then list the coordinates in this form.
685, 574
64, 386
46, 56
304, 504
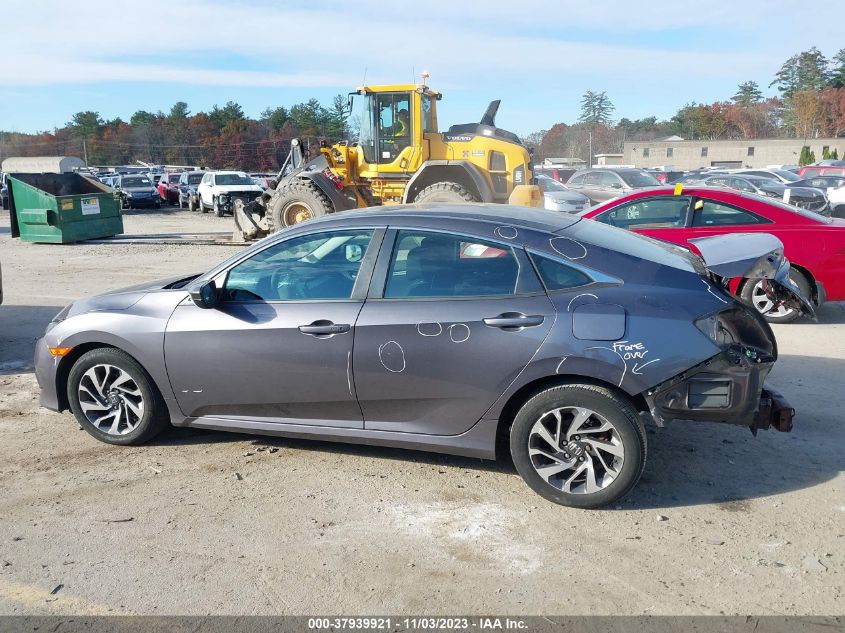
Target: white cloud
332, 42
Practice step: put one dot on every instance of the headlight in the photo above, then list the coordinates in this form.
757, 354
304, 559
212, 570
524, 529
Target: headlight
223, 198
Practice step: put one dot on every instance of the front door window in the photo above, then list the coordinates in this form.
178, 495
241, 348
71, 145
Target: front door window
393, 114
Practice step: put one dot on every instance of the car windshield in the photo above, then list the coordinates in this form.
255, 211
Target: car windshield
550, 184
812, 215
233, 179
786, 175
760, 181
638, 179
194, 179
137, 181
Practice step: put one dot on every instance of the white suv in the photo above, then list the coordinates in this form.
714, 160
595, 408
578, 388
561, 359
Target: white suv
219, 189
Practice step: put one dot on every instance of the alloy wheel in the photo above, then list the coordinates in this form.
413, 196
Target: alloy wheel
764, 305
110, 399
575, 450
296, 212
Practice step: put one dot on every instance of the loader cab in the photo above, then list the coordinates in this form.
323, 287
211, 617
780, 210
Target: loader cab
393, 122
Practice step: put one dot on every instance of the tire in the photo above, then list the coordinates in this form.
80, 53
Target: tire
216, 206
294, 202
136, 401
202, 206
446, 192
838, 211
753, 295
191, 206
606, 408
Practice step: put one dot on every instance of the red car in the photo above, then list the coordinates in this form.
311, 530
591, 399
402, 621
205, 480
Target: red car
813, 244
168, 188
811, 171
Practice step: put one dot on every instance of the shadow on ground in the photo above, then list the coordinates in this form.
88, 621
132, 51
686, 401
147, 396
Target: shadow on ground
689, 463
20, 326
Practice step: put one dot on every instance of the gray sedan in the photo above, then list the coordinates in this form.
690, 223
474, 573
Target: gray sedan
441, 328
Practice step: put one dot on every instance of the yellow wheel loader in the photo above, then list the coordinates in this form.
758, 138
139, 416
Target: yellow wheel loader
400, 157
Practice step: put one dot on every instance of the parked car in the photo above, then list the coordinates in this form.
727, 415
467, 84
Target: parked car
834, 189
603, 184
218, 190
561, 174
557, 197
4, 197
813, 244
168, 188
188, 183
802, 197
783, 176
550, 306
137, 191
666, 176
821, 170
265, 181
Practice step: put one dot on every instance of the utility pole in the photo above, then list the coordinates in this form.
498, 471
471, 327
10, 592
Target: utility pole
85, 151
590, 161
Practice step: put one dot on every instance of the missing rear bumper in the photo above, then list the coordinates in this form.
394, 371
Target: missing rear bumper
729, 389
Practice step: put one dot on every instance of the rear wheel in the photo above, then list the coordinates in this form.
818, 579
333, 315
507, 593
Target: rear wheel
753, 294
114, 398
446, 192
579, 445
294, 202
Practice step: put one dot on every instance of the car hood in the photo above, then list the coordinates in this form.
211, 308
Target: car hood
237, 188
125, 298
754, 256
140, 189
572, 197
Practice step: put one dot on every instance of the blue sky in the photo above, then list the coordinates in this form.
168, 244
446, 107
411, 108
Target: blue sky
538, 57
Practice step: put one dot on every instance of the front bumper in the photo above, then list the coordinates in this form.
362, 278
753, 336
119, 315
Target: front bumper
226, 201
728, 388
46, 368
141, 203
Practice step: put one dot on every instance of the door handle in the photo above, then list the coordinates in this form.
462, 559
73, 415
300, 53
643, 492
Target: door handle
514, 320
324, 327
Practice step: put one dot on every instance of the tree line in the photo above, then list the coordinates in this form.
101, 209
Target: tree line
223, 137
810, 104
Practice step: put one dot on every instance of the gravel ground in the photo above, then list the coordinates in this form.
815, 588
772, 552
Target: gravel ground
202, 522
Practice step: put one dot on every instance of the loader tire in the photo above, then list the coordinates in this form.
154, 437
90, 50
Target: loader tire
446, 192
295, 202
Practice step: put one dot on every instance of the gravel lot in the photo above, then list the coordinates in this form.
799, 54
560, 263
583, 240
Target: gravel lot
721, 522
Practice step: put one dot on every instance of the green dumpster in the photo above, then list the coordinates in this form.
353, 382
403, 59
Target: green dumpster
62, 208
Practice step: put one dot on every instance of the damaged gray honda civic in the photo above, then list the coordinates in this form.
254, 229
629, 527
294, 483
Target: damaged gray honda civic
447, 328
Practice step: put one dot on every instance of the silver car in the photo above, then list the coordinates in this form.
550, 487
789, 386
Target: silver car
556, 197
445, 328
600, 185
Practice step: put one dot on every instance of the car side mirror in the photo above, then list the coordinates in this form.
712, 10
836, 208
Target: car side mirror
206, 295
615, 185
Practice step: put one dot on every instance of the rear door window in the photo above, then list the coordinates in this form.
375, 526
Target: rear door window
427, 264
711, 213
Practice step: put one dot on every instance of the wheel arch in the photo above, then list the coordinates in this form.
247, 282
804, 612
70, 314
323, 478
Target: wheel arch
805, 272
67, 362
532, 388
464, 173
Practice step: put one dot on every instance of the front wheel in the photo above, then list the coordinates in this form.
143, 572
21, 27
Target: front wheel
296, 201
579, 445
446, 192
218, 210
753, 294
114, 398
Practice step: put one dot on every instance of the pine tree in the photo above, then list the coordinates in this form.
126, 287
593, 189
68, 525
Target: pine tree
837, 70
596, 108
747, 94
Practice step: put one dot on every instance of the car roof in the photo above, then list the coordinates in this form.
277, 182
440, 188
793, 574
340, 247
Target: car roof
512, 215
